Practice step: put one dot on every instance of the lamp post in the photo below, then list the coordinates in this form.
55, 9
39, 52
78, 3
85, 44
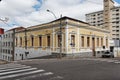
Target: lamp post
59, 33
52, 13
26, 52
4, 20
60, 36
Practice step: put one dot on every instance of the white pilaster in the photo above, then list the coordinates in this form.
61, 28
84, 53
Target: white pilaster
78, 38
80, 42
53, 39
66, 41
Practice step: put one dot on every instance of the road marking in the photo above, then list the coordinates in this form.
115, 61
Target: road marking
110, 61
16, 75
15, 68
105, 60
117, 62
9, 64
56, 78
17, 71
46, 74
34, 76
8, 67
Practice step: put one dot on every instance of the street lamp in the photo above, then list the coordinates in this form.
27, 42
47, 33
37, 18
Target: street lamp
5, 20
52, 13
60, 32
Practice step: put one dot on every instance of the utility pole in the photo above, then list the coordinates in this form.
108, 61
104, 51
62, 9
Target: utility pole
60, 36
13, 44
59, 32
52, 27
25, 38
26, 52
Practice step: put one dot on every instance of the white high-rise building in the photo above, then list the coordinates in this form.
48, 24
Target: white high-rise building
109, 19
7, 44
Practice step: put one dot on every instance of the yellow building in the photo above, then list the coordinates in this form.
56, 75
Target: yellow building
78, 39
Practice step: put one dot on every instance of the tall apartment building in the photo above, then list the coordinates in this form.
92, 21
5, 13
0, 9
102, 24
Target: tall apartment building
1, 32
7, 44
109, 19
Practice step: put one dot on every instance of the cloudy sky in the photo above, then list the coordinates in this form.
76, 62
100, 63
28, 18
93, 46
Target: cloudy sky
33, 12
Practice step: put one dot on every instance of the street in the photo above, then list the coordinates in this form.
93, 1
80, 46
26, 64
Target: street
65, 69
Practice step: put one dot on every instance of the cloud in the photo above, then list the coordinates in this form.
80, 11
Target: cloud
33, 12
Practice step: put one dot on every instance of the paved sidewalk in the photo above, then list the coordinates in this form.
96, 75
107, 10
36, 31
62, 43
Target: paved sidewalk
2, 62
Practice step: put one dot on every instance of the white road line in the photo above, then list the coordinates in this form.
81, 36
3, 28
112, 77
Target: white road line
4, 73
8, 67
34, 76
16, 75
10, 64
110, 61
45, 74
103, 60
56, 78
15, 68
117, 62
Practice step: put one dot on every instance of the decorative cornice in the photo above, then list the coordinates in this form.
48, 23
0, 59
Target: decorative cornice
65, 21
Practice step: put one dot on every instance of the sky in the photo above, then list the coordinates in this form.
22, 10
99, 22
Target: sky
33, 12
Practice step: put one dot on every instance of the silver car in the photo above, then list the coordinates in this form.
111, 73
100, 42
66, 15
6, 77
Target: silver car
107, 54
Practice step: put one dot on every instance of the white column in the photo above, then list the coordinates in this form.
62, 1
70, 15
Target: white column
53, 39
66, 41
18, 37
78, 38
104, 41
80, 43
63, 43
56, 46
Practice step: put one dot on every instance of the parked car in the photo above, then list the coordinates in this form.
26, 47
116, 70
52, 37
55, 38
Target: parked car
108, 54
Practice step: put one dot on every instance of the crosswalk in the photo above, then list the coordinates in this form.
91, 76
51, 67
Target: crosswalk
14, 71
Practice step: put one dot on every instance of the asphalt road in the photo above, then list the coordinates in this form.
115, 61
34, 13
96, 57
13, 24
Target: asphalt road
77, 69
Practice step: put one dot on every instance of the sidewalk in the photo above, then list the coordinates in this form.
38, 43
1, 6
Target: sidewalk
2, 62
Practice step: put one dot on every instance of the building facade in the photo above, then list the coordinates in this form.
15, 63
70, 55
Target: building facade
78, 39
109, 18
1, 32
7, 44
